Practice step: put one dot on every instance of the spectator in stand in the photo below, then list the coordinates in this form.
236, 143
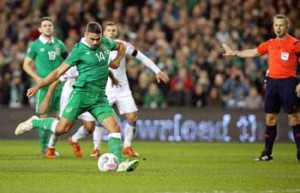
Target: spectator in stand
185, 78
253, 100
179, 95
4, 89
17, 89
153, 98
199, 96
140, 89
215, 98
235, 89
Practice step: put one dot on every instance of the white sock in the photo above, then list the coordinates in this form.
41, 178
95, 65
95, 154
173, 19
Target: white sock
81, 133
53, 136
52, 140
128, 135
53, 126
115, 135
97, 137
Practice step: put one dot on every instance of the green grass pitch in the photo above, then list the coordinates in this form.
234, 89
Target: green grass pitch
164, 168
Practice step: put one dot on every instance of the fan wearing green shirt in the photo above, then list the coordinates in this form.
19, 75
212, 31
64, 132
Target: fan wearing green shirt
43, 56
90, 56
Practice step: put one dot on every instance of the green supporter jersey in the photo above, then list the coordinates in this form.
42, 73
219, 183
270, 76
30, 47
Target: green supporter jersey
92, 65
47, 56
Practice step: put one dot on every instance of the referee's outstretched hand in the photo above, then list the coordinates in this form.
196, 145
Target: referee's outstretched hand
228, 50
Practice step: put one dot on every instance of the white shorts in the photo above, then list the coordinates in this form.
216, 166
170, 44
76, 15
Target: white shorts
86, 116
125, 104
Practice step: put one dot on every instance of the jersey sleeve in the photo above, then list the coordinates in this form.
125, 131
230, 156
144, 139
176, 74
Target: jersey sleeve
263, 48
73, 57
112, 44
128, 46
131, 50
31, 53
297, 48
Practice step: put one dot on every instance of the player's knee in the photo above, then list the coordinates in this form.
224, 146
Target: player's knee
271, 119
111, 125
132, 118
89, 130
60, 130
63, 127
89, 126
115, 128
294, 119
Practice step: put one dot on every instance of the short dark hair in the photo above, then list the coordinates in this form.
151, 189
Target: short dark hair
94, 27
45, 19
284, 17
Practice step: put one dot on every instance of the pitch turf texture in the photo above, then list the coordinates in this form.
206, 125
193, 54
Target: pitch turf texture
164, 168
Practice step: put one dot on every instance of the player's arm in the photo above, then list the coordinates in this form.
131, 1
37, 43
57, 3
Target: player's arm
29, 68
53, 76
45, 104
250, 53
160, 75
121, 53
114, 80
71, 73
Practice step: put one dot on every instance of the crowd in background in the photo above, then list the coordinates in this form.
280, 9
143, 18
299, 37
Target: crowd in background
183, 37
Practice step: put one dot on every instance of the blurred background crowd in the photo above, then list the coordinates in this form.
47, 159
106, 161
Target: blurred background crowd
183, 37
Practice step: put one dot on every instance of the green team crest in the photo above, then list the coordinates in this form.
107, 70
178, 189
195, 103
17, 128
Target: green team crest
105, 49
57, 50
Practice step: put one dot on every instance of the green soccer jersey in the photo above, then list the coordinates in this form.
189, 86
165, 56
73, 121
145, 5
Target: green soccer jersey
92, 65
46, 55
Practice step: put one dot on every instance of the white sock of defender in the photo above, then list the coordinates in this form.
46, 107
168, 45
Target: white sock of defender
97, 137
53, 126
52, 140
53, 137
128, 134
81, 133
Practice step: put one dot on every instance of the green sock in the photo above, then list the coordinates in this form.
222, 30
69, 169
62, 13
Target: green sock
44, 130
43, 139
115, 147
43, 123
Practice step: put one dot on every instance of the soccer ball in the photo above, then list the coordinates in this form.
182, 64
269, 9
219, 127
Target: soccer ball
107, 162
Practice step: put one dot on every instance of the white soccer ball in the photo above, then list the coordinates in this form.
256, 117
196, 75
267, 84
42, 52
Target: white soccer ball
107, 162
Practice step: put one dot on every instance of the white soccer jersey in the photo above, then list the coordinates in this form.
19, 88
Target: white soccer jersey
120, 74
121, 95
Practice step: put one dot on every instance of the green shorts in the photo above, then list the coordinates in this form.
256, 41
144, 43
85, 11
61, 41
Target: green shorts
81, 101
54, 102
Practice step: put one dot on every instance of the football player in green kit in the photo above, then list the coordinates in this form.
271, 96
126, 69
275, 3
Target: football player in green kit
90, 56
47, 53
